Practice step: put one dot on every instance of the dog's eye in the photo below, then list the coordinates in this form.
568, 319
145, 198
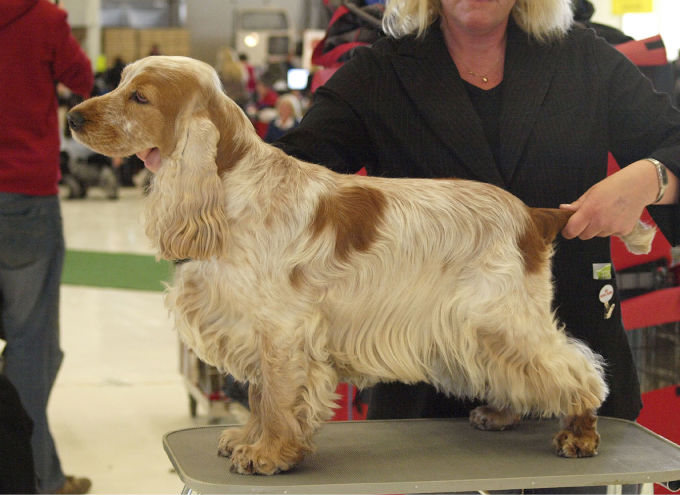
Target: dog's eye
138, 97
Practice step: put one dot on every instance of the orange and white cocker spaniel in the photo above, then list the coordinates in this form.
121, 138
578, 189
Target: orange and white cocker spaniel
300, 277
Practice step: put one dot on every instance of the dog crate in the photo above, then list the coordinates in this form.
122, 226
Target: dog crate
205, 386
656, 350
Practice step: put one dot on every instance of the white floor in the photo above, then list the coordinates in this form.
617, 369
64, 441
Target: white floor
119, 389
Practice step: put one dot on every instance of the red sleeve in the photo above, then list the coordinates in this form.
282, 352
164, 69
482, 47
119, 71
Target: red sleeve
71, 66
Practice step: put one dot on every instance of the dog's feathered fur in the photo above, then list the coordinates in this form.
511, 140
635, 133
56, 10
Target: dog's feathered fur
300, 277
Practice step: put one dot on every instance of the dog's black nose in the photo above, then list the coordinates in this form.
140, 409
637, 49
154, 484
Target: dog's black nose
75, 120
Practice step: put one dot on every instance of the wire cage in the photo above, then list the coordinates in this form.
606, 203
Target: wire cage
656, 351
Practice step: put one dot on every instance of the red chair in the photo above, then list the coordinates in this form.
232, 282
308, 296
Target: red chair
665, 302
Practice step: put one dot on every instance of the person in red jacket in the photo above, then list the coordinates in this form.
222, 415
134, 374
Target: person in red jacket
37, 51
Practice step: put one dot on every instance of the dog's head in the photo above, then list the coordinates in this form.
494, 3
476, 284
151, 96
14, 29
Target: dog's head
172, 113
160, 103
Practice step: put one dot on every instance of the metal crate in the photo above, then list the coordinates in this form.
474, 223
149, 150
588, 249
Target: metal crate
656, 351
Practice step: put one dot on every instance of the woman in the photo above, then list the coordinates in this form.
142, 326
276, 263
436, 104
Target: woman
288, 115
507, 92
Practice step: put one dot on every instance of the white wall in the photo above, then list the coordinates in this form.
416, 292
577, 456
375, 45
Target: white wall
603, 13
210, 21
86, 14
664, 20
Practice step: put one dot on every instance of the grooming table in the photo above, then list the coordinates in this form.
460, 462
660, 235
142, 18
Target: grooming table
426, 456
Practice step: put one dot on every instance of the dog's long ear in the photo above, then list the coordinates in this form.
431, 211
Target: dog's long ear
186, 210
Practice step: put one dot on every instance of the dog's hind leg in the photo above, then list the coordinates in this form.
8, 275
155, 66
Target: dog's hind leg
578, 437
546, 375
585, 389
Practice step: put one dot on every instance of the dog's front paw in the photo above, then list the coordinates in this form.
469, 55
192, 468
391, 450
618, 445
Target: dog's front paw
490, 419
254, 459
228, 440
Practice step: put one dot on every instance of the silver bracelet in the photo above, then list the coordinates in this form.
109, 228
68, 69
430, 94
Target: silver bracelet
661, 175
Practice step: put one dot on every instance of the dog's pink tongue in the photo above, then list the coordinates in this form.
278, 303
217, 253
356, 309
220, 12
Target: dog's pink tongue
151, 159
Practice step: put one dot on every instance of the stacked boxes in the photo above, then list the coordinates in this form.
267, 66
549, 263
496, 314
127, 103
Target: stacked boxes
131, 44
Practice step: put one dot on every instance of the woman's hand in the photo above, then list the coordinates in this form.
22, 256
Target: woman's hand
614, 205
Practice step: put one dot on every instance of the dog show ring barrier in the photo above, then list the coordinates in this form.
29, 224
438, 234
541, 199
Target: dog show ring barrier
433, 455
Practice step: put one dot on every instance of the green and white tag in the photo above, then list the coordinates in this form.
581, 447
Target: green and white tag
602, 271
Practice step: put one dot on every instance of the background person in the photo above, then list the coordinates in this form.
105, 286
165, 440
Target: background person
37, 44
230, 71
288, 115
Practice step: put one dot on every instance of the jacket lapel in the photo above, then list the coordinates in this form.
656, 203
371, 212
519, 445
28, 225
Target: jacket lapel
529, 69
431, 79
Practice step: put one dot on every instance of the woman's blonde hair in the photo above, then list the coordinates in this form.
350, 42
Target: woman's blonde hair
294, 103
228, 66
543, 20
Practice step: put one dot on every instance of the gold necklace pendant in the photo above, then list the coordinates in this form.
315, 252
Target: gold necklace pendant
483, 77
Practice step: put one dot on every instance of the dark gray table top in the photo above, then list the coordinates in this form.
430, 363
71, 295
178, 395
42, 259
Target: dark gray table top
426, 456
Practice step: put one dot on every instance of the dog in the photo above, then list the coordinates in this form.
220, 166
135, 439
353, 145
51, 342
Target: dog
298, 277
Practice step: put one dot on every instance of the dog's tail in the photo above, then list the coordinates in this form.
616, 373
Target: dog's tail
550, 221
536, 240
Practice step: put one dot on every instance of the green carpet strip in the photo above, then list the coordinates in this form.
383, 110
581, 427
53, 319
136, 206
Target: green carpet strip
115, 270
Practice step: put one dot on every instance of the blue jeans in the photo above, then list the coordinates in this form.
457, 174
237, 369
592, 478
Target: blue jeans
31, 260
